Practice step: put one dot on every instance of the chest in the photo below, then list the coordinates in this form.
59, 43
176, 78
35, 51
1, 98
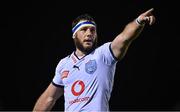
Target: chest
83, 70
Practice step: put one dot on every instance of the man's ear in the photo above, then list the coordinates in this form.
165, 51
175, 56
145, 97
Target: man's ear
74, 36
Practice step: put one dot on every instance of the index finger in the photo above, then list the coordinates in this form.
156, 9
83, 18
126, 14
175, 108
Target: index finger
149, 11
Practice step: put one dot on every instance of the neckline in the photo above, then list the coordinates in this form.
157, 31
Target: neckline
79, 58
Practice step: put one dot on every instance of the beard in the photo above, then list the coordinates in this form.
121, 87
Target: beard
85, 50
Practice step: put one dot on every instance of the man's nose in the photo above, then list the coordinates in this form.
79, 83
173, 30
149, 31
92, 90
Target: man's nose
88, 32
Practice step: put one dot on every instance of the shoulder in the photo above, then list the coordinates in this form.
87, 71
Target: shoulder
63, 61
103, 46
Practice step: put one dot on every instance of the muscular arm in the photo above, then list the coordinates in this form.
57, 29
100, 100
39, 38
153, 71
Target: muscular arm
131, 31
47, 100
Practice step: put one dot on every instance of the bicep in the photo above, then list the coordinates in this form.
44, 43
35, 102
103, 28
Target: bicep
119, 46
54, 92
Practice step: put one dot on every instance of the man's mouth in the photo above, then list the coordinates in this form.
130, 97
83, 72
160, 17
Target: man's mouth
88, 40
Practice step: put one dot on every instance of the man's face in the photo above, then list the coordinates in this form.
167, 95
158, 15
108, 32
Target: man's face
86, 38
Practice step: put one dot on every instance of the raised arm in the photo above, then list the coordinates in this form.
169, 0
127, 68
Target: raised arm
131, 31
47, 100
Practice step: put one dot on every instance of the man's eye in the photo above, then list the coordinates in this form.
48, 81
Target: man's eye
93, 30
83, 29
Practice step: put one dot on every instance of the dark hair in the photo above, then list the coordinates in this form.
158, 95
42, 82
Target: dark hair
82, 17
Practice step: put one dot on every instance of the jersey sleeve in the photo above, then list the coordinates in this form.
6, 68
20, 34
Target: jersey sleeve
57, 81
107, 54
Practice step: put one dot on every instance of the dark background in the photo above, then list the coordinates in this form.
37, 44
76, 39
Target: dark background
35, 35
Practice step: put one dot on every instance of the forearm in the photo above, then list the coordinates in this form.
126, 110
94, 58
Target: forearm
130, 32
121, 43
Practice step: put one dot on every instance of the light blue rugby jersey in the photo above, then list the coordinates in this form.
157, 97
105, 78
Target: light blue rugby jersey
88, 81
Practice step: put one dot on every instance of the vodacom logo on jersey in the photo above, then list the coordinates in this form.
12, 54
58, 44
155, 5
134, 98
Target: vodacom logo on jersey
77, 87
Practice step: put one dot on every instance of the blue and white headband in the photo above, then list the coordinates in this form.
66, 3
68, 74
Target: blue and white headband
80, 25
